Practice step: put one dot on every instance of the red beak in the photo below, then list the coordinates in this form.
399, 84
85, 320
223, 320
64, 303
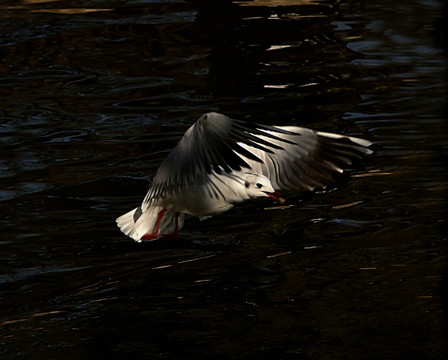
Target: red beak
277, 196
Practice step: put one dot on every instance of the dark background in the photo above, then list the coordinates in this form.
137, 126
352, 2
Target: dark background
92, 96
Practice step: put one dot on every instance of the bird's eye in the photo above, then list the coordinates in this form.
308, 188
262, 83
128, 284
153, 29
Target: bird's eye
246, 184
259, 185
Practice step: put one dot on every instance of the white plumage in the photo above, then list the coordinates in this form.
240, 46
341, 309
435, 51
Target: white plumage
222, 161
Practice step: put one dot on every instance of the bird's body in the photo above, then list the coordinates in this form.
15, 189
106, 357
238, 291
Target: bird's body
218, 194
222, 161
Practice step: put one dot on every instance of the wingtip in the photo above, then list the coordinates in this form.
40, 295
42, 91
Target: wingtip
362, 142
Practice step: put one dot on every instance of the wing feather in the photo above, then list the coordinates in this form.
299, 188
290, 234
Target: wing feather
310, 159
290, 156
214, 142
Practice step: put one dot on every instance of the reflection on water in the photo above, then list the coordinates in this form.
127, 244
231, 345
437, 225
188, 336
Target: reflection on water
94, 94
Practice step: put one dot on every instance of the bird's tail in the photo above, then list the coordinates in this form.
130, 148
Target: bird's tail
137, 223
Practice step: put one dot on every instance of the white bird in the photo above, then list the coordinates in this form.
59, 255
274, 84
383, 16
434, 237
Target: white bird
222, 161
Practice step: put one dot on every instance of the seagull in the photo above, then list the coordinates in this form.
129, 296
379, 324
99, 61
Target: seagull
222, 161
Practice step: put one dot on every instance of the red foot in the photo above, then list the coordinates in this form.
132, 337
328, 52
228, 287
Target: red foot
155, 234
151, 236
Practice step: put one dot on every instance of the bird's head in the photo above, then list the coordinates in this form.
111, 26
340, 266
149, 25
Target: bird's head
260, 186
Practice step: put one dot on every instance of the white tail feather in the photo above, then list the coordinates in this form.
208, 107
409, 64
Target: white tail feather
137, 226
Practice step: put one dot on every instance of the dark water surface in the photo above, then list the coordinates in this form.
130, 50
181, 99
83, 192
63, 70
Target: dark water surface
93, 94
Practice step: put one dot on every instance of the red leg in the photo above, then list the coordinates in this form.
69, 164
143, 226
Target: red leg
175, 234
155, 234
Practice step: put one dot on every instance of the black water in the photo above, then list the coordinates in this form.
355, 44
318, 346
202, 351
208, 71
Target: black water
93, 94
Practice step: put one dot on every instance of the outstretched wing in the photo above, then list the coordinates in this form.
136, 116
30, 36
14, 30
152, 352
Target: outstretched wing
214, 142
309, 159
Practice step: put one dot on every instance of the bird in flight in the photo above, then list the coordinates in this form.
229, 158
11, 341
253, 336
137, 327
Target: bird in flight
222, 161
